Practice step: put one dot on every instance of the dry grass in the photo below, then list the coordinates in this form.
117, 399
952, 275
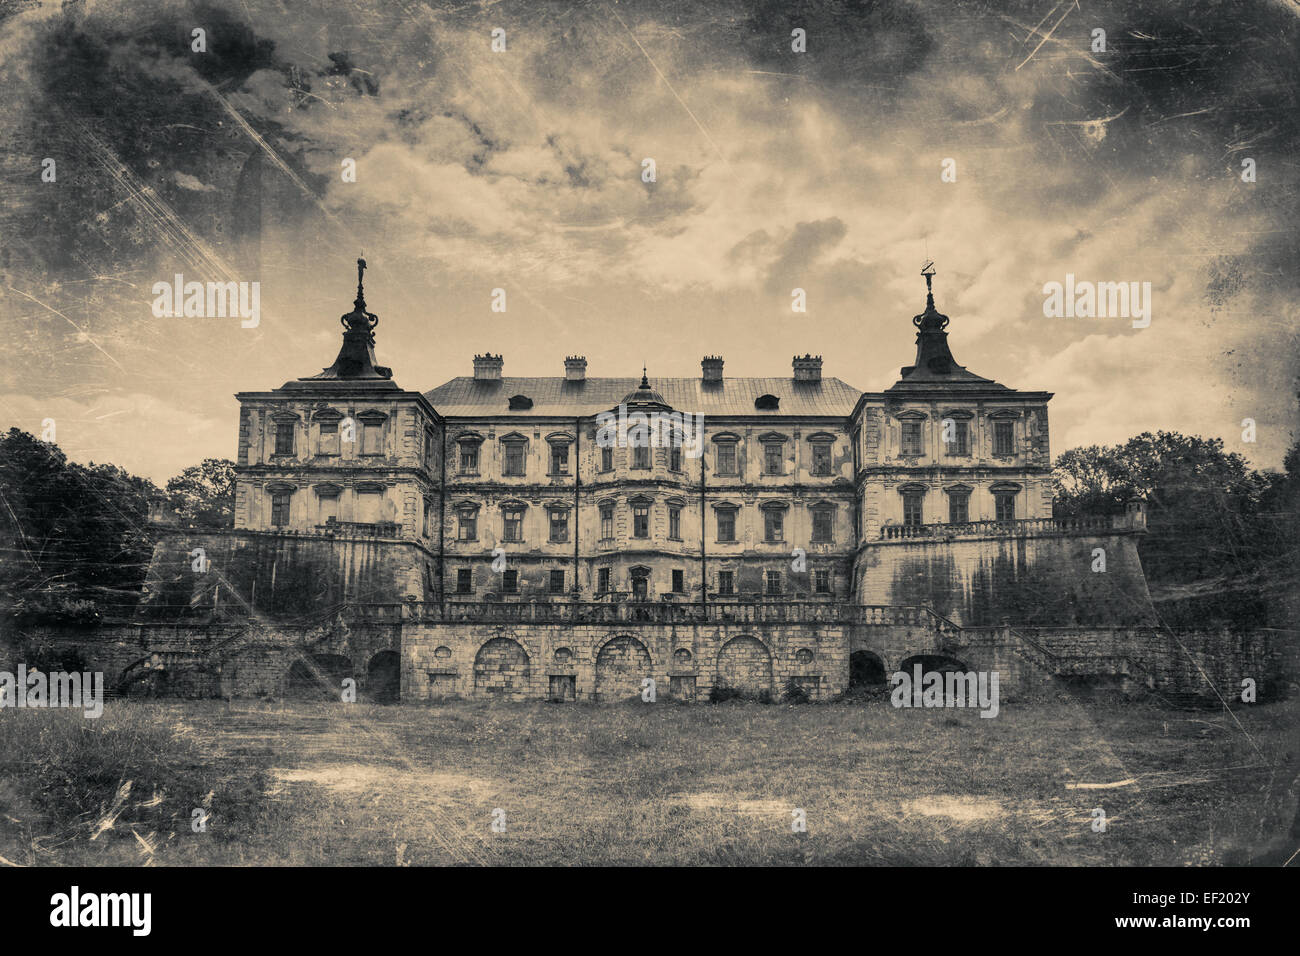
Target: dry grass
715, 784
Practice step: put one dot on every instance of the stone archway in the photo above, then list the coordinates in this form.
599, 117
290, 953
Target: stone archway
384, 677
502, 669
865, 670
744, 665
620, 666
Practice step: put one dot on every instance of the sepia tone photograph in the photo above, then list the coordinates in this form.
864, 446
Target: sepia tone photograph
644, 433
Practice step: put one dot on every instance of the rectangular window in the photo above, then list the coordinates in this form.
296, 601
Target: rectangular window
772, 463
607, 459
607, 522
464, 580
559, 526
514, 464
430, 448
329, 439
559, 459
822, 521
1006, 507
675, 455
468, 526
911, 439
675, 523
956, 436
958, 508
640, 521
726, 458
822, 581
773, 525
279, 509
425, 528
726, 582
328, 509
641, 456
469, 458
509, 582
557, 582
602, 580
726, 525
514, 530
912, 509
1004, 438
284, 438
821, 459
857, 450
372, 438
773, 579
679, 580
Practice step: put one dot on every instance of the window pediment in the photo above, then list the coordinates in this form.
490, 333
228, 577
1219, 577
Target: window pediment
959, 414
725, 506
820, 438
514, 437
1004, 487
911, 415
372, 417
465, 507
560, 438
912, 488
327, 415
640, 500
328, 490
1005, 413
285, 417
958, 490
773, 506
370, 487
280, 487
773, 438
725, 438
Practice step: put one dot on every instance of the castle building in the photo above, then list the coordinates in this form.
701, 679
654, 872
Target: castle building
572, 537
515, 488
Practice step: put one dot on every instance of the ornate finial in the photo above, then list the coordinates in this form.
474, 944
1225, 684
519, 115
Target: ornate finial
645, 382
927, 270
930, 320
359, 320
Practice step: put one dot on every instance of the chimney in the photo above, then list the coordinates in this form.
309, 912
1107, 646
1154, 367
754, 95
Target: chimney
575, 368
807, 369
487, 368
712, 366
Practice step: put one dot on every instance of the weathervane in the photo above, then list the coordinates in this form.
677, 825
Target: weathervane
359, 320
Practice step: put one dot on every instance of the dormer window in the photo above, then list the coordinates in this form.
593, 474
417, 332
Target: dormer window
767, 403
520, 403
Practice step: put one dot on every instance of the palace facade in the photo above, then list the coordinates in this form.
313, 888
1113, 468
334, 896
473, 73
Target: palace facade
774, 488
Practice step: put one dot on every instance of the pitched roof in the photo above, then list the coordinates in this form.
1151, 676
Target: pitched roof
465, 396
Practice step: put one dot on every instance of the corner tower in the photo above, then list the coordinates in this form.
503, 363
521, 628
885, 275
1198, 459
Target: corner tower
344, 453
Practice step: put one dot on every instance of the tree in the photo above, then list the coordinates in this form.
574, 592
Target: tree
73, 538
203, 495
1211, 552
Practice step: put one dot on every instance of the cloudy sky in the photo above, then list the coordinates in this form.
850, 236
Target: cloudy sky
522, 170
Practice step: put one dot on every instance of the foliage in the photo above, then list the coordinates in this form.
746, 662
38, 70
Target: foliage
1220, 546
203, 495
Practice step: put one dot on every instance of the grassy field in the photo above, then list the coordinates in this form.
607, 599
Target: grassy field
650, 784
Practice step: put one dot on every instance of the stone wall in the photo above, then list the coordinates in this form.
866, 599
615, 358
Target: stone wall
285, 576
603, 663
1043, 580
